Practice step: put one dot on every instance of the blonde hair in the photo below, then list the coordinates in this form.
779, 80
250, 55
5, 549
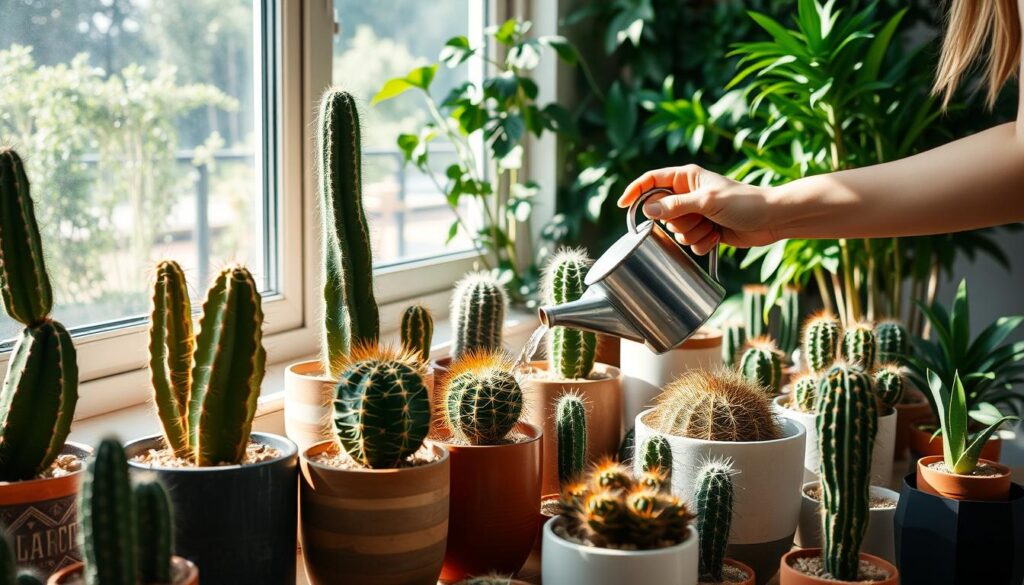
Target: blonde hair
977, 27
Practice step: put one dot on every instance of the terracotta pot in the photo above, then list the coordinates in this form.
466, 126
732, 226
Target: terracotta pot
374, 526
183, 569
608, 350
40, 517
751, 577
493, 517
603, 399
790, 576
922, 445
879, 539
915, 409
984, 488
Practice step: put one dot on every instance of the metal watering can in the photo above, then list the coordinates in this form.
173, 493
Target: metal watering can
644, 288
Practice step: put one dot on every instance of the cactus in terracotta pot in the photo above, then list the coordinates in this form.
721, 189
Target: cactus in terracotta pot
478, 314
891, 342
859, 346
417, 331
822, 338
805, 393
571, 352
40, 390
713, 500
715, 406
761, 363
888, 384
734, 336
754, 297
482, 398
571, 431
657, 455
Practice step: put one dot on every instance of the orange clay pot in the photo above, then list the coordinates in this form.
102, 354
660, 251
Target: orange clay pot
908, 413
921, 444
790, 576
183, 569
984, 488
751, 577
495, 491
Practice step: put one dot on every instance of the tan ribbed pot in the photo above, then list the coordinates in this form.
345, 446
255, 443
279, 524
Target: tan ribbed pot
603, 398
373, 526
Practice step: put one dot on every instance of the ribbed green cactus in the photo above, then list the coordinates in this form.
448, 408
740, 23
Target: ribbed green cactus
170, 353
789, 321
478, 314
571, 431
657, 455
9, 573
40, 390
570, 351
382, 409
107, 516
754, 296
734, 336
859, 346
713, 498
715, 406
482, 398
155, 532
418, 331
889, 384
805, 393
350, 309
761, 363
627, 447
847, 422
891, 341
822, 338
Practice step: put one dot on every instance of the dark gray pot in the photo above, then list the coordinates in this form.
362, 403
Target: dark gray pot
236, 523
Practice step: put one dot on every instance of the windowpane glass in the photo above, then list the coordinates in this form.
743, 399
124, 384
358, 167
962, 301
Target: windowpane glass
141, 130
376, 41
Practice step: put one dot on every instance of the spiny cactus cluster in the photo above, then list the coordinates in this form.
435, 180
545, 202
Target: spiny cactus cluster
570, 351
754, 297
891, 342
351, 315
40, 390
571, 439
859, 346
734, 336
478, 314
761, 363
657, 455
716, 406
126, 534
713, 499
382, 406
847, 422
9, 572
822, 337
613, 509
206, 387
417, 331
789, 321
805, 392
482, 398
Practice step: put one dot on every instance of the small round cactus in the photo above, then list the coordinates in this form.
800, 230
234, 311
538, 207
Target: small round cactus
859, 346
571, 431
889, 385
478, 314
715, 406
891, 341
761, 363
713, 498
734, 336
822, 337
805, 393
482, 398
417, 331
657, 455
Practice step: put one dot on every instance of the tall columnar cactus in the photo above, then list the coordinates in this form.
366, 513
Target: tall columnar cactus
761, 363
859, 346
754, 296
657, 455
889, 385
822, 338
418, 331
155, 532
478, 314
805, 393
382, 409
40, 391
482, 398
570, 351
734, 336
891, 341
713, 498
847, 422
789, 321
350, 309
571, 431
107, 516
171, 345
715, 406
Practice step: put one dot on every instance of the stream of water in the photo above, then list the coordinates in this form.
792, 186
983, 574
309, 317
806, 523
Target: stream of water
532, 346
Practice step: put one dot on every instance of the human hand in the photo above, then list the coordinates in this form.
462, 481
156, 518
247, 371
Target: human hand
707, 208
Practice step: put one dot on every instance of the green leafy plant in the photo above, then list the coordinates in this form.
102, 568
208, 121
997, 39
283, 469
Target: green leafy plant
960, 448
501, 111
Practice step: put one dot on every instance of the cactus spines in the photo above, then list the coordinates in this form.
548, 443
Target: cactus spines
170, 353
789, 321
859, 346
889, 384
107, 516
805, 393
482, 398
571, 431
350, 309
713, 499
734, 336
847, 422
382, 409
155, 532
478, 314
571, 351
716, 406
657, 455
754, 296
822, 338
24, 284
418, 331
227, 370
761, 363
891, 341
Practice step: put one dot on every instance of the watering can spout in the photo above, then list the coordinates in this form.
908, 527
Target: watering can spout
591, 312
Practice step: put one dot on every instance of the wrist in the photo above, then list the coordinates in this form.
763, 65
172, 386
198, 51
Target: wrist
793, 207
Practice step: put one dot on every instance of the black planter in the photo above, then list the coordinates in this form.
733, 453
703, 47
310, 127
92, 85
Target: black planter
236, 523
941, 540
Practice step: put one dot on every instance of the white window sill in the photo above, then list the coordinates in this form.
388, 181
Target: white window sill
140, 420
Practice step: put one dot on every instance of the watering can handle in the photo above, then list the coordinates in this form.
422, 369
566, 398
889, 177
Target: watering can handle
631, 224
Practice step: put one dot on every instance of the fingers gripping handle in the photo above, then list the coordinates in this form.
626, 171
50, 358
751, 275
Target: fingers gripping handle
631, 224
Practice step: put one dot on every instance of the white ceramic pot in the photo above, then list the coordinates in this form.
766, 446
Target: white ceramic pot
881, 456
645, 373
568, 563
879, 539
767, 502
